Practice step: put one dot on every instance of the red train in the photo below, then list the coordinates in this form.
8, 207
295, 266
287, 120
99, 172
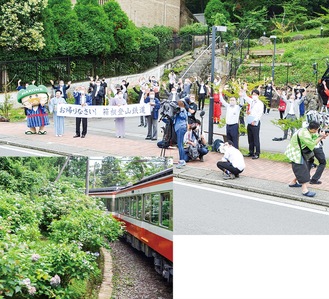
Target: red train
146, 208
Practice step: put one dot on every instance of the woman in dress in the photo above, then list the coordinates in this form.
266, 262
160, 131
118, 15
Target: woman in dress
119, 100
58, 120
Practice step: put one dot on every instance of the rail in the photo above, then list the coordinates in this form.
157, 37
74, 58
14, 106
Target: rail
198, 58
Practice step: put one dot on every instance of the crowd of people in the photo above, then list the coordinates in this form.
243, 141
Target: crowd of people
182, 128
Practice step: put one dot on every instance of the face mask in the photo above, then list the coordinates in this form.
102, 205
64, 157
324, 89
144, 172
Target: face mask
151, 96
173, 92
254, 97
120, 97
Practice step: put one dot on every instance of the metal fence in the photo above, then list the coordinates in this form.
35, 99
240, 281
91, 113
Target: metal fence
238, 51
81, 68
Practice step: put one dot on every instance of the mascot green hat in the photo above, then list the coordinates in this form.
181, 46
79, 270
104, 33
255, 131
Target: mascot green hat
30, 90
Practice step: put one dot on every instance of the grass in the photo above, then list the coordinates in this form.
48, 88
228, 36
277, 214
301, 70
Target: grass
301, 54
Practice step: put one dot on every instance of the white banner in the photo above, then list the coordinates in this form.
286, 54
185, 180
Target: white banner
69, 110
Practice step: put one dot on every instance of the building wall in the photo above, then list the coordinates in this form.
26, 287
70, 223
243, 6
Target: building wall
152, 12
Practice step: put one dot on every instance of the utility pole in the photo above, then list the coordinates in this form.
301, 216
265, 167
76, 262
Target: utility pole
211, 98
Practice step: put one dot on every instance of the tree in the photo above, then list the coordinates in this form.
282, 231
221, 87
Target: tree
213, 7
97, 30
255, 20
281, 27
21, 24
111, 173
62, 28
295, 12
126, 34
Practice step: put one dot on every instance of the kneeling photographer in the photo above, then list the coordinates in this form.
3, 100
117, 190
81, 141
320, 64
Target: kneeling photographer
195, 142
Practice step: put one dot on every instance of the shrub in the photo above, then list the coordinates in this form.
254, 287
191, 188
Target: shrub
42, 271
89, 228
312, 24
21, 214
194, 29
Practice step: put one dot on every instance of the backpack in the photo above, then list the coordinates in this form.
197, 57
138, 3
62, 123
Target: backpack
193, 152
216, 145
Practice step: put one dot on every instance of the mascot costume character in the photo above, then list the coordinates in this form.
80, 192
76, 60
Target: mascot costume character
34, 98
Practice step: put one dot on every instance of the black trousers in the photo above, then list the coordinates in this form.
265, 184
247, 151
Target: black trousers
84, 125
253, 139
232, 133
225, 165
320, 156
201, 99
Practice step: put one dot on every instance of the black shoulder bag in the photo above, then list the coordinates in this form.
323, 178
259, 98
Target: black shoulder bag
306, 152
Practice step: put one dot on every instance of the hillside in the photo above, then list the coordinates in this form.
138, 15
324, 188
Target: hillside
295, 61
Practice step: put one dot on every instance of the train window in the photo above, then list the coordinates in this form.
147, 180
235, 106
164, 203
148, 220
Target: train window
139, 206
122, 205
155, 208
133, 206
127, 210
165, 209
117, 205
147, 207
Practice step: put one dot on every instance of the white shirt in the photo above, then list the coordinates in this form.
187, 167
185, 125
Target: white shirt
234, 156
232, 112
256, 108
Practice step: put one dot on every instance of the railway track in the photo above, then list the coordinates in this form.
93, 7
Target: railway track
134, 276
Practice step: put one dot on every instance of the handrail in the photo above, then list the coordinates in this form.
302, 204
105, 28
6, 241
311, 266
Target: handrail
198, 58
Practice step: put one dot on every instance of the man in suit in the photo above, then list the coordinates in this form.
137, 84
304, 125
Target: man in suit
62, 87
97, 93
83, 99
202, 92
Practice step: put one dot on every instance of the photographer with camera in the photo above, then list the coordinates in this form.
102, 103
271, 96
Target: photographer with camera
180, 126
195, 141
299, 152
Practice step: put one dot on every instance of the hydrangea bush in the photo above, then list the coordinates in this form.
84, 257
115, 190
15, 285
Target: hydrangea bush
51, 240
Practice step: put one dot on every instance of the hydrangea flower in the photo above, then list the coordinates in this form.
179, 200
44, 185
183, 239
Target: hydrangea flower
32, 290
55, 281
35, 257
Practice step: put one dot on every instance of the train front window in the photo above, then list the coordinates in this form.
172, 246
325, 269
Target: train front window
155, 208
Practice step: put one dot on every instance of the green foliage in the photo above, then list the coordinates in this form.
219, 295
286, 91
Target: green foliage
296, 13
255, 20
100, 30
93, 227
21, 214
42, 271
126, 34
21, 25
6, 106
213, 7
32, 263
148, 39
288, 124
62, 28
281, 27
194, 29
